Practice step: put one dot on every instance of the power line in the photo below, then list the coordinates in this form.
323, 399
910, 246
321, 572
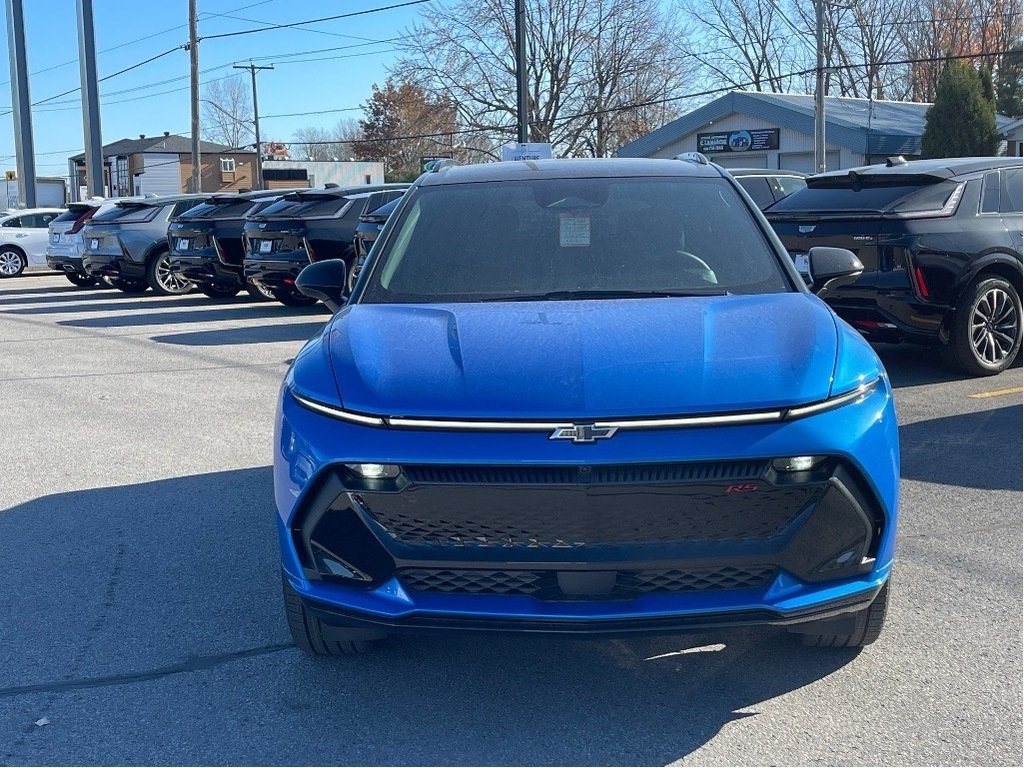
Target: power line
315, 21
139, 40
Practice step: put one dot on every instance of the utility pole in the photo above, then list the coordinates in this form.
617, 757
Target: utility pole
90, 105
256, 119
193, 55
819, 87
24, 146
522, 95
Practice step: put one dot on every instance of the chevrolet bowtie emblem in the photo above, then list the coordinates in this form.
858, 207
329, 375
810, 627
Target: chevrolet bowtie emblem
583, 433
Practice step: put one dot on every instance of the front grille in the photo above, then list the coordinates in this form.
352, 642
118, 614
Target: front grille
596, 475
544, 584
553, 517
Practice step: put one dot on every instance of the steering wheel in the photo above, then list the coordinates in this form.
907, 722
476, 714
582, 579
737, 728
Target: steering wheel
698, 265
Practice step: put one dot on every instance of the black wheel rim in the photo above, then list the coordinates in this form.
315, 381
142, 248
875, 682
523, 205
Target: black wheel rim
994, 326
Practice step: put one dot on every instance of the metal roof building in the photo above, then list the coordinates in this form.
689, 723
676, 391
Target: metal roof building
774, 130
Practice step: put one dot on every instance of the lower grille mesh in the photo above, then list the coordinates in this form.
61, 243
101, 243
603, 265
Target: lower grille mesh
477, 581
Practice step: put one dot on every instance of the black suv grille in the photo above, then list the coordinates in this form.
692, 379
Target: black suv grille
461, 516
544, 584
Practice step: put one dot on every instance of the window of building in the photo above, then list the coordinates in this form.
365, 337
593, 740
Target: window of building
227, 165
368, 178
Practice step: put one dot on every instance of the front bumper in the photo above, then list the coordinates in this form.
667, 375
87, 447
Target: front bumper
390, 553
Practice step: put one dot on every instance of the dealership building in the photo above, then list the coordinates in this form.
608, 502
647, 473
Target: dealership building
744, 129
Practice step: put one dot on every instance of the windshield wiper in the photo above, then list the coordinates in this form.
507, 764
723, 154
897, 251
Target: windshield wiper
609, 294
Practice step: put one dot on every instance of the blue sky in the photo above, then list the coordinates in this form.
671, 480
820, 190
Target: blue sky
130, 31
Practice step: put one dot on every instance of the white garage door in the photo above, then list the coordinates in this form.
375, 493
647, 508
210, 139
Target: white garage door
804, 161
739, 160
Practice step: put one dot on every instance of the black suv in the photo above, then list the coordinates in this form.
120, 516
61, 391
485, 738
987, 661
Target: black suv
206, 243
766, 187
370, 225
940, 241
301, 228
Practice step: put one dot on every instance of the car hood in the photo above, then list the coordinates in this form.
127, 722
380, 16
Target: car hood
584, 359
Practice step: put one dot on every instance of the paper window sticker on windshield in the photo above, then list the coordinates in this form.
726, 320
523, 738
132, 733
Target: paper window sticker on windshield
573, 231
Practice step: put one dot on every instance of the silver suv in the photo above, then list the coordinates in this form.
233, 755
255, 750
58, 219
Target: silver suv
128, 244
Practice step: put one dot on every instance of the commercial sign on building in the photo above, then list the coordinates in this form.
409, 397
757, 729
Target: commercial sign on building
757, 140
529, 151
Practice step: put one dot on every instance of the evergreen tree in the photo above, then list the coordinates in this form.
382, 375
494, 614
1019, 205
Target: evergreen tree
961, 122
1009, 83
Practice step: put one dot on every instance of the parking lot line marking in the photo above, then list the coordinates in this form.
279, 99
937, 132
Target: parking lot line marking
997, 392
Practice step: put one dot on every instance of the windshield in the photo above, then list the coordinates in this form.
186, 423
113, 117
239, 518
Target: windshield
127, 214
305, 205
849, 198
574, 238
219, 209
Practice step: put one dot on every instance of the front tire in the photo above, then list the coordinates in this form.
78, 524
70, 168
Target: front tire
12, 261
126, 285
162, 280
294, 299
220, 291
985, 330
259, 293
82, 281
855, 631
314, 637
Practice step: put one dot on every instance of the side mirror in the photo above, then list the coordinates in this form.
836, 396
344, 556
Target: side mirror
828, 264
324, 281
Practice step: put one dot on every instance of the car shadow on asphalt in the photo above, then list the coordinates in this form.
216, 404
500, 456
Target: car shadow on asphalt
151, 586
120, 301
254, 334
913, 365
197, 315
971, 450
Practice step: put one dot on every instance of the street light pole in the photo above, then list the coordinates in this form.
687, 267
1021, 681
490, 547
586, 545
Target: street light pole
193, 53
256, 119
522, 95
819, 87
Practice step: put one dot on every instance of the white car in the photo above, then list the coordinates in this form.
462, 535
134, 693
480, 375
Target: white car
23, 239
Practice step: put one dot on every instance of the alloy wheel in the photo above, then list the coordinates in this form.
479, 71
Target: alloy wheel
994, 326
11, 264
169, 281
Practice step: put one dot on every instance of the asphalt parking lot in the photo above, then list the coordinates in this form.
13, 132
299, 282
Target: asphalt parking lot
141, 621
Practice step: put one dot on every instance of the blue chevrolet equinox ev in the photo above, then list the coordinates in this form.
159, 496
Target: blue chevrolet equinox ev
589, 397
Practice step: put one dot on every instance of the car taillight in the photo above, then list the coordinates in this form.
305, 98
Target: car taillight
80, 222
309, 250
124, 250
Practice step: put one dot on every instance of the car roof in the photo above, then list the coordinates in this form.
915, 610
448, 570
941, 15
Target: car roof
519, 170
160, 200
739, 172
943, 168
23, 211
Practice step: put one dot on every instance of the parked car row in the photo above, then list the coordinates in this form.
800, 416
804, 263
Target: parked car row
940, 241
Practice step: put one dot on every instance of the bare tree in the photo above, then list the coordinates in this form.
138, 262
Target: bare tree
227, 112
588, 61
321, 144
746, 44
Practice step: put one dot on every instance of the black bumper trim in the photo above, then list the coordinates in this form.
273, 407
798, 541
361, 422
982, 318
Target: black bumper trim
420, 622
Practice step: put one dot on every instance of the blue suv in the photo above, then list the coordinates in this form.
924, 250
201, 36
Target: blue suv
583, 396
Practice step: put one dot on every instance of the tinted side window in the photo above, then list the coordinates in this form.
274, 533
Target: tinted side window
758, 189
990, 193
1010, 191
15, 222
